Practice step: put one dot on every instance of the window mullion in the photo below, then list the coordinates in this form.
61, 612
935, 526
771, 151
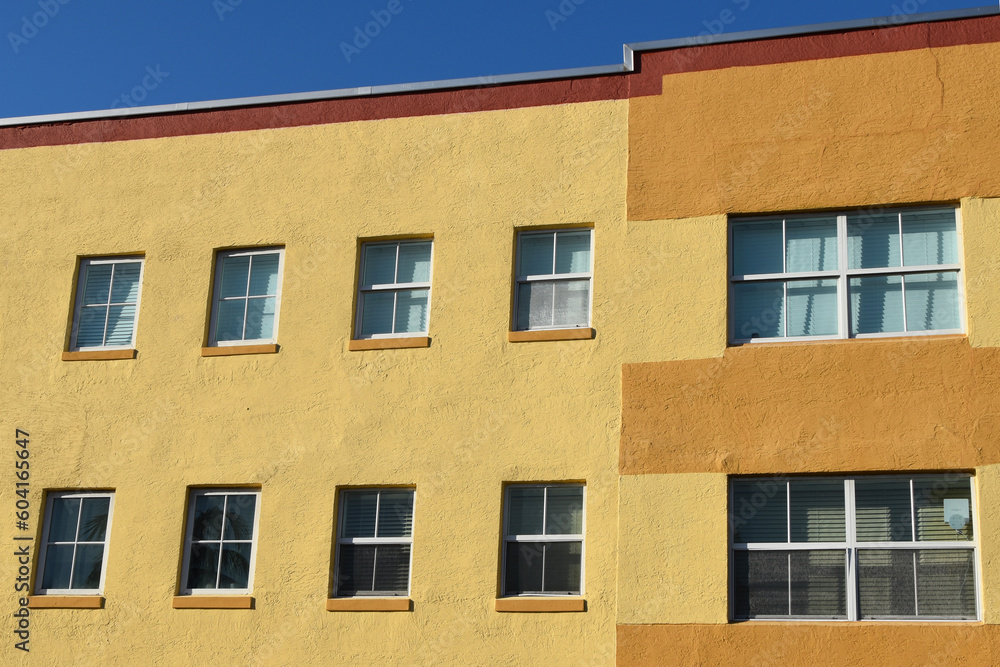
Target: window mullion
843, 301
222, 536
916, 597
852, 584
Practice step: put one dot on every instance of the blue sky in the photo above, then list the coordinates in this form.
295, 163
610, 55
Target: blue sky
76, 55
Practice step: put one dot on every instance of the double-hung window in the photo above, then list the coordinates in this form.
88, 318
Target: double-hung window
543, 539
107, 303
850, 275
854, 548
374, 542
246, 296
220, 541
554, 275
75, 544
394, 289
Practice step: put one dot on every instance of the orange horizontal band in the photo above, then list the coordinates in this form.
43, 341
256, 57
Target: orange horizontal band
99, 355
585, 333
213, 602
369, 604
540, 605
65, 602
231, 350
389, 343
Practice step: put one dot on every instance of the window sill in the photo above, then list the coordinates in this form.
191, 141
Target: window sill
232, 350
913, 337
369, 604
541, 605
356, 345
65, 602
213, 602
582, 333
99, 355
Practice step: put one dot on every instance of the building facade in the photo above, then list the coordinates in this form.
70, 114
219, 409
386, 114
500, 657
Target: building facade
534, 370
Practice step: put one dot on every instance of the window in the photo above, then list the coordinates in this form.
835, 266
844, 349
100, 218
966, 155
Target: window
554, 271
856, 548
850, 275
394, 289
543, 540
219, 542
107, 300
247, 296
75, 545
374, 542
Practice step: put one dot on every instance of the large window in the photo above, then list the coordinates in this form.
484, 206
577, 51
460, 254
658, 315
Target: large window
107, 302
246, 296
374, 542
394, 289
75, 543
554, 271
543, 539
854, 274
219, 542
856, 548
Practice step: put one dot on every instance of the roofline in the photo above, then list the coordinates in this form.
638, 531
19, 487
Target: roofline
629, 65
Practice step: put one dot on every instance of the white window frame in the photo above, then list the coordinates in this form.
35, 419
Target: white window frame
851, 547
514, 538
193, 495
843, 276
220, 256
43, 552
85, 264
375, 541
394, 287
553, 277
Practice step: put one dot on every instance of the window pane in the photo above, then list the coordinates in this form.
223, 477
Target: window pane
946, 583
203, 566
817, 510
760, 581
883, 510
90, 332
411, 311
260, 318
230, 320
573, 252
380, 264
395, 516
376, 312
872, 240
523, 567
886, 583
535, 254
758, 310
125, 287
63, 521
120, 325
811, 245
355, 569
932, 301
264, 274
98, 284
414, 263
240, 510
94, 519
58, 562
876, 304
534, 305
812, 307
235, 565
760, 511
572, 307
525, 505
931, 497
818, 583
562, 567
930, 237
87, 569
757, 248
207, 517
359, 513
797, 583
564, 511
234, 276
392, 569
